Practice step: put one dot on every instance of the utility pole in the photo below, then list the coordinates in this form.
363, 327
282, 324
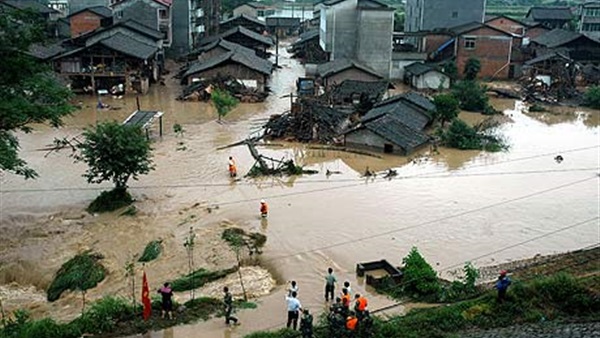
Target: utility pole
276, 47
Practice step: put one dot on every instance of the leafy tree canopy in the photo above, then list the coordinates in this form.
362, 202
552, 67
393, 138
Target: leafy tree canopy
446, 108
223, 101
29, 92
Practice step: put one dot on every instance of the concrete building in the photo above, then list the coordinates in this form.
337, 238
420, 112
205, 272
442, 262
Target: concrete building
207, 15
89, 19
424, 76
155, 14
78, 5
254, 9
359, 30
589, 20
427, 15
182, 27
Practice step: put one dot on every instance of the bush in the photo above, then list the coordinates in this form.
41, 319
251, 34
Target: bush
592, 97
419, 277
471, 95
536, 108
472, 68
152, 251
462, 136
198, 278
110, 201
104, 315
80, 273
446, 108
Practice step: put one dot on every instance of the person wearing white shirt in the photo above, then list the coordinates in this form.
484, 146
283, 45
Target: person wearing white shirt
293, 288
293, 307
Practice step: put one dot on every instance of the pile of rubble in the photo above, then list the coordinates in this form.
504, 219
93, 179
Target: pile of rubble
200, 91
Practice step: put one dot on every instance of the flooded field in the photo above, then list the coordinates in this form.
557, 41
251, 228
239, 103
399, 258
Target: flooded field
455, 206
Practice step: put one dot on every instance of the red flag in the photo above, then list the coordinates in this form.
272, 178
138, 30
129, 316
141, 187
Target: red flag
146, 298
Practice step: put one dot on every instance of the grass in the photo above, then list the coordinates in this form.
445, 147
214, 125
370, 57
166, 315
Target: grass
110, 201
198, 278
152, 251
81, 272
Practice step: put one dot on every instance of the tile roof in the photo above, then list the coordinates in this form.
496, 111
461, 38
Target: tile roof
243, 17
31, 5
393, 129
409, 116
282, 22
415, 99
550, 13
129, 46
418, 68
348, 88
143, 29
547, 57
220, 42
45, 52
339, 65
251, 61
266, 40
102, 11
556, 37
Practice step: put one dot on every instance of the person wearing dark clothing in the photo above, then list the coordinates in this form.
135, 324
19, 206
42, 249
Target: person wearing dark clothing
306, 324
330, 281
502, 286
167, 302
365, 325
337, 307
228, 302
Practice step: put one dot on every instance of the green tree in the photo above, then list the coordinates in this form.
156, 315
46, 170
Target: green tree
29, 93
592, 97
446, 108
472, 68
471, 95
419, 277
223, 101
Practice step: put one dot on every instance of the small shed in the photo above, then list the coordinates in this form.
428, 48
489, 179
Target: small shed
424, 76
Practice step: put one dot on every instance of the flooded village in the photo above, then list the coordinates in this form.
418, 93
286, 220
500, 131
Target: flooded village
368, 127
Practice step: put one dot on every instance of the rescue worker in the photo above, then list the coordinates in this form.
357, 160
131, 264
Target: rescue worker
306, 324
360, 306
264, 208
232, 167
502, 285
351, 324
346, 301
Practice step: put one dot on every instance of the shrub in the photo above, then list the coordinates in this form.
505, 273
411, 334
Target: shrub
592, 97
446, 108
223, 101
536, 108
81, 272
419, 277
462, 136
110, 201
152, 251
471, 95
198, 278
472, 68
104, 315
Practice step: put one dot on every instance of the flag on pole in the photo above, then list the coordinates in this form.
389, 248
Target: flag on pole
146, 298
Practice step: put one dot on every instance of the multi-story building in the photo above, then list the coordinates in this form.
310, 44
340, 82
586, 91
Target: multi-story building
589, 23
427, 15
206, 17
155, 14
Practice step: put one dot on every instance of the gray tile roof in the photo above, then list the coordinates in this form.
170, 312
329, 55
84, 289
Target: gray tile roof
129, 46
45, 52
418, 68
248, 60
348, 88
282, 22
102, 11
266, 40
220, 42
31, 5
547, 57
421, 102
143, 29
394, 130
243, 17
556, 38
550, 13
409, 116
339, 65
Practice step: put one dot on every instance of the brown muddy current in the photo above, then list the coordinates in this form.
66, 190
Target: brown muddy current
455, 206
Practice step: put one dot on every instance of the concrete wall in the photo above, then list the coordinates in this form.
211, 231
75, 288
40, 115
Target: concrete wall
182, 30
84, 22
77, 5
339, 29
492, 48
432, 14
366, 139
374, 45
431, 80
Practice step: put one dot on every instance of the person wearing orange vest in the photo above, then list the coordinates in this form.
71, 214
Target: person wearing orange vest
346, 301
264, 208
351, 324
232, 167
360, 306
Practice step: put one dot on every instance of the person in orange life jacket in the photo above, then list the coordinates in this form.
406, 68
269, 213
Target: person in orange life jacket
346, 301
360, 306
502, 285
232, 167
351, 323
264, 208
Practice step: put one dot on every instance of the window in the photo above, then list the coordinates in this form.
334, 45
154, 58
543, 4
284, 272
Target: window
454, 15
592, 12
119, 14
469, 43
591, 27
163, 14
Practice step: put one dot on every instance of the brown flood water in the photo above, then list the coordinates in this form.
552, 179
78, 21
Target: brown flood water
455, 206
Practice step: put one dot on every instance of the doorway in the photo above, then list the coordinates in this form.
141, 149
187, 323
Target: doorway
388, 148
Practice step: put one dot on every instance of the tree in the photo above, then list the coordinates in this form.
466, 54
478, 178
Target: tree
419, 277
223, 101
29, 92
471, 95
446, 108
592, 97
472, 68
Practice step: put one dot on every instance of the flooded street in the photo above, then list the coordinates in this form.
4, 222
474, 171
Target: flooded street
455, 206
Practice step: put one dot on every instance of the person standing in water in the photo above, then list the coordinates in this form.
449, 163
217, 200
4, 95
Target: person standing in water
264, 208
228, 302
232, 167
330, 281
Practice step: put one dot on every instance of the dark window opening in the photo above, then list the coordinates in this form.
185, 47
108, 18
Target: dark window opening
388, 148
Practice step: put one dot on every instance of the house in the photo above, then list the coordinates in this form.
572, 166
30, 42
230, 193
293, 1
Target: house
245, 37
428, 15
77, 5
360, 30
393, 126
550, 17
125, 53
217, 47
249, 69
206, 18
243, 20
424, 76
507, 24
308, 49
254, 9
282, 26
89, 19
402, 59
155, 14
337, 71
353, 92
589, 19
577, 46
533, 31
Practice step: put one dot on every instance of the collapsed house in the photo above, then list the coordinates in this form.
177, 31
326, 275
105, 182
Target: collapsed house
356, 92
308, 49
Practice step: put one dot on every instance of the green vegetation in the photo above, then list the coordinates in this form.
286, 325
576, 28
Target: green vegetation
592, 97
29, 92
446, 108
472, 68
110, 200
198, 278
152, 251
80, 273
462, 136
536, 108
224, 102
420, 280
471, 95
556, 297
237, 237
110, 316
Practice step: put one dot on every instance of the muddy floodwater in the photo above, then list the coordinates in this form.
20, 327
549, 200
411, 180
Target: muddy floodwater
455, 206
